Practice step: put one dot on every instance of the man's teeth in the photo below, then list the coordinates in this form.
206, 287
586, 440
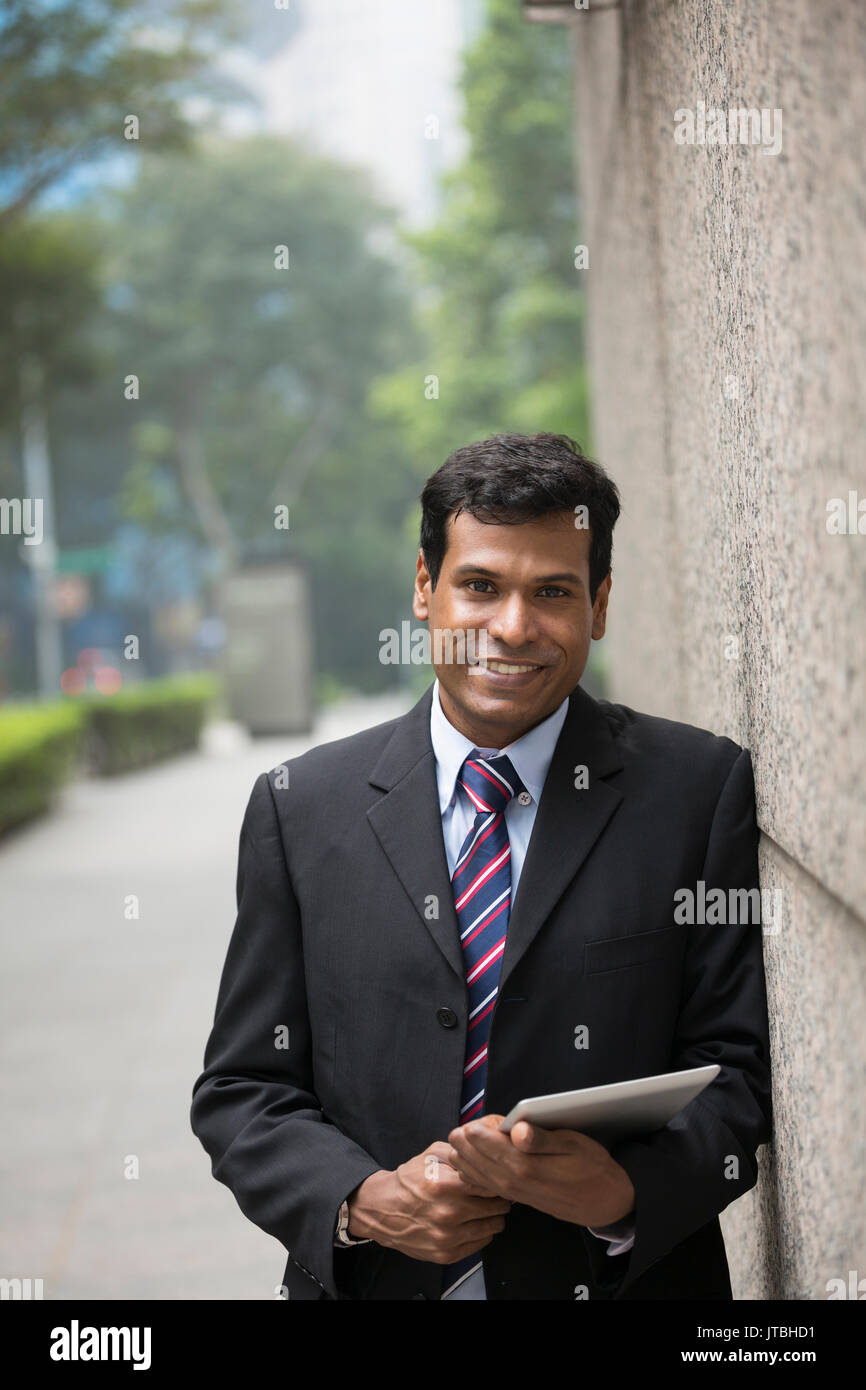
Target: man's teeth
507, 668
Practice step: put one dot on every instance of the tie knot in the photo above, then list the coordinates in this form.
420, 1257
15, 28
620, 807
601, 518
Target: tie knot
490, 782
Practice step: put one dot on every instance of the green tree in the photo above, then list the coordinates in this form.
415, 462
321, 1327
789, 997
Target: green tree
254, 310
505, 322
49, 291
73, 70
254, 367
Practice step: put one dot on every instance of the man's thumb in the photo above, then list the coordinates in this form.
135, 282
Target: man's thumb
525, 1136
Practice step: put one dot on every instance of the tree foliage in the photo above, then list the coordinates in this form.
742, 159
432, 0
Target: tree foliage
505, 305
74, 69
254, 307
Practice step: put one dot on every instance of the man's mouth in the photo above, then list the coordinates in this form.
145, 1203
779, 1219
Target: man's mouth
507, 668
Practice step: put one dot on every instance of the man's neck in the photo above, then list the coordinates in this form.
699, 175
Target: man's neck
485, 735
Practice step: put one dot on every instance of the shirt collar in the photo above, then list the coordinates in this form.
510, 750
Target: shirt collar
530, 754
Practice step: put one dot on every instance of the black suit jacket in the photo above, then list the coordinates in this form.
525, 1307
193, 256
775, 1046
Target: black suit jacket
346, 936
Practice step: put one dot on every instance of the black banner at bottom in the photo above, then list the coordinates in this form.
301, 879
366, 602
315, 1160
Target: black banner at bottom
158, 1339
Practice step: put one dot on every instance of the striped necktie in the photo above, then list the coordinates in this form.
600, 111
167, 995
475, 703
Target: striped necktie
482, 898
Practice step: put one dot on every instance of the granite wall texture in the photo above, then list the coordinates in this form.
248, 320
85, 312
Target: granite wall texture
727, 339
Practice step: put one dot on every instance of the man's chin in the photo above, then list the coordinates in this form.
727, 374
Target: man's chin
484, 701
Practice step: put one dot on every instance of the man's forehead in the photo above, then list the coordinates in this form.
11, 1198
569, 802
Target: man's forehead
549, 521
553, 533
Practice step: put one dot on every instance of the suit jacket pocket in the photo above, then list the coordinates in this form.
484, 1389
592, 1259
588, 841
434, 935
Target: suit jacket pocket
622, 952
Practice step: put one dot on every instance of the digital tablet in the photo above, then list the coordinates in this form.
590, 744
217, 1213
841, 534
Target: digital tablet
618, 1111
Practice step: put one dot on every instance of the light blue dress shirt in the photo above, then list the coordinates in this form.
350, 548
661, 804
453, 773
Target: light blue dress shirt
531, 757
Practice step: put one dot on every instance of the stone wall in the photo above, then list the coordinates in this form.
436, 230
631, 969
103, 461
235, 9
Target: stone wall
727, 303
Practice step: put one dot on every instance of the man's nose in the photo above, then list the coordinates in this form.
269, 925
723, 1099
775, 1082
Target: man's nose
513, 624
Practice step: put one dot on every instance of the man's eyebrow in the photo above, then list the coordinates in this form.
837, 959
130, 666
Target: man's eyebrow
566, 576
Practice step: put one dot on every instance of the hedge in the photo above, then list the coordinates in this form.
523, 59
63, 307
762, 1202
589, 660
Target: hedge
146, 723
39, 745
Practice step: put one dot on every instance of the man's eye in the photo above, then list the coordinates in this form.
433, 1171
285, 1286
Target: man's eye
552, 589
478, 581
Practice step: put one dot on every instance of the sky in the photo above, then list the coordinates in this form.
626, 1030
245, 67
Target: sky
373, 82
370, 82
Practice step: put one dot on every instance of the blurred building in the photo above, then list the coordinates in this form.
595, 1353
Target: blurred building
268, 655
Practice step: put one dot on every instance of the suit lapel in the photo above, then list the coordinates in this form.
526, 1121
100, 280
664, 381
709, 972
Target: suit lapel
408, 824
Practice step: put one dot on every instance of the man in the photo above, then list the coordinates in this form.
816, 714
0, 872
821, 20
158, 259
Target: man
477, 902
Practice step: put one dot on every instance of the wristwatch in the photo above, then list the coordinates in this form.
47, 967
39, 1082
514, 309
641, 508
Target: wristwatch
341, 1235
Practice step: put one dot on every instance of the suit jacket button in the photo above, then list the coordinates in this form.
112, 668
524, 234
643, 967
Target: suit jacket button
447, 1017
419, 1295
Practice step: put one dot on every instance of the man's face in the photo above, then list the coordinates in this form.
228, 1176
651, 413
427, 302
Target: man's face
521, 593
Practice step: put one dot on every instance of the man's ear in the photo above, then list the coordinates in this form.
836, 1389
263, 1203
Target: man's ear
422, 588
599, 608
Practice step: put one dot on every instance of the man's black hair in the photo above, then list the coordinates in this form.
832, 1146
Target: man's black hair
512, 478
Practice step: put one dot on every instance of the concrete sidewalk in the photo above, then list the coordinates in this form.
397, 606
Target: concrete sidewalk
105, 1021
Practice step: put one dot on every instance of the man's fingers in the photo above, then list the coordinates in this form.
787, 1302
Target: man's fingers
474, 1187
485, 1178
474, 1168
533, 1139
439, 1149
472, 1163
482, 1229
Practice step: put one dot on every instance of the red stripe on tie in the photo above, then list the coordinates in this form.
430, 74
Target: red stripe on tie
485, 962
503, 907
493, 867
475, 798
499, 783
480, 841
476, 1060
483, 1014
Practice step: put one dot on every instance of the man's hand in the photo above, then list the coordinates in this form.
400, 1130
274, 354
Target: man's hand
558, 1171
424, 1209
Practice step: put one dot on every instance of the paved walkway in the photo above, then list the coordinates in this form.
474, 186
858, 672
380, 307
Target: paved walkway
105, 1021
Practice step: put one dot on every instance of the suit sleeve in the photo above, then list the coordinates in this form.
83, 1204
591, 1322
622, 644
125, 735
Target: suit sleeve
705, 1158
253, 1106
